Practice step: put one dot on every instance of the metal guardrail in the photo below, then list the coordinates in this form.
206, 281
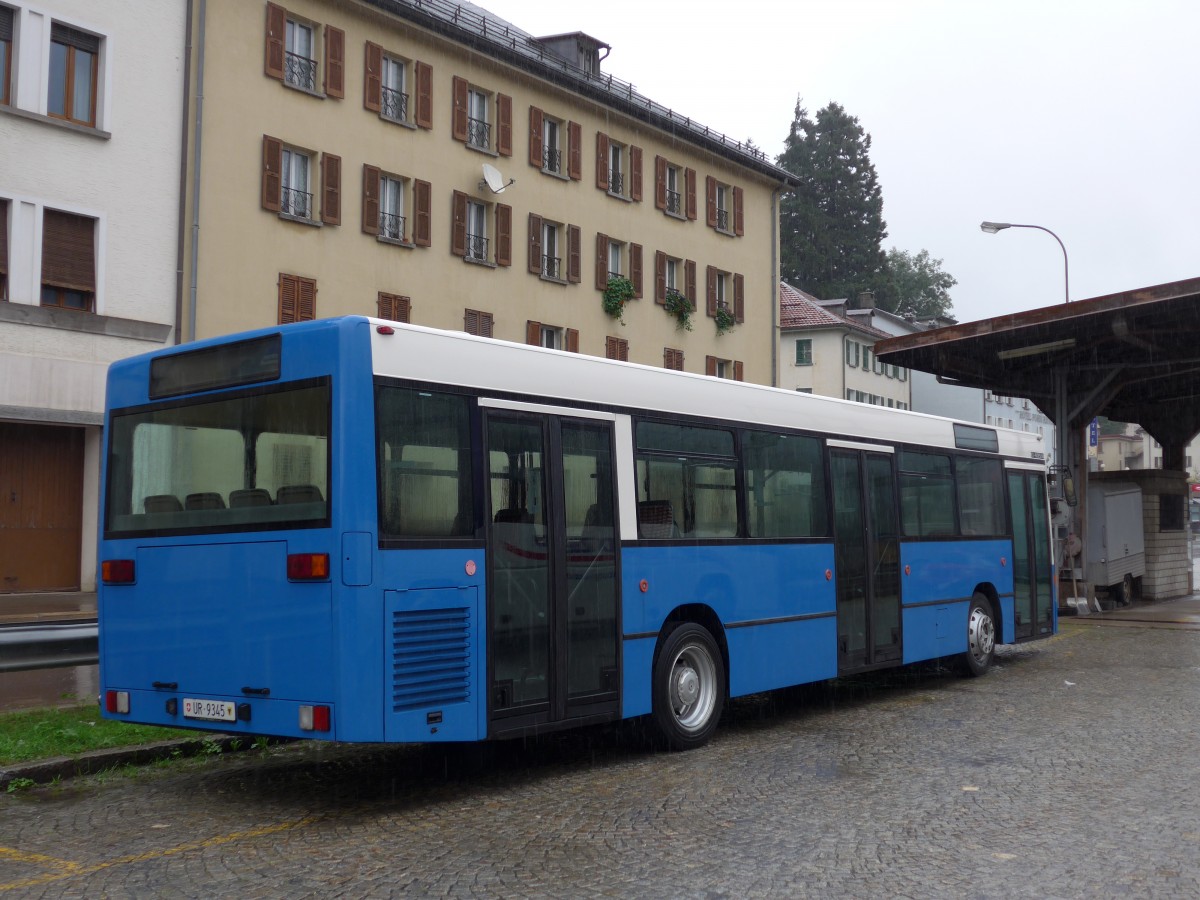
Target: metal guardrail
27, 647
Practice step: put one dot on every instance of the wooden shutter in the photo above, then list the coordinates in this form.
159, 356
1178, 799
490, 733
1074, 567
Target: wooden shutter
459, 111
673, 359
535, 243
370, 200
574, 151
422, 213
272, 177
373, 77
504, 124
660, 277
503, 235
710, 365
601, 261
424, 73
395, 307
616, 348
276, 29
331, 189
739, 222
68, 251
297, 299
660, 183
711, 292
3, 237
574, 254
536, 142
602, 160
635, 269
739, 370
739, 297
710, 201
287, 298
572, 340
335, 62
458, 225
689, 180
689, 281
635, 173
533, 333
476, 322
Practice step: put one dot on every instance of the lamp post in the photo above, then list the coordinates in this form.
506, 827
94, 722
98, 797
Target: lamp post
993, 227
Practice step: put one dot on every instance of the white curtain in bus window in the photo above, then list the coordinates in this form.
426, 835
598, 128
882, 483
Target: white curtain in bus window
785, 485
926, 494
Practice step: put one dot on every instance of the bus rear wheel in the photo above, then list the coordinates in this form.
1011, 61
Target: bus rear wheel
981, 637
688, 687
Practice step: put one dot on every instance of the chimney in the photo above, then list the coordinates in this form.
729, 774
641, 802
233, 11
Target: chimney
866, 300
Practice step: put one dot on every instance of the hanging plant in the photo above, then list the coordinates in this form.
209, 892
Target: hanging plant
617, 293
680, 307
725, 319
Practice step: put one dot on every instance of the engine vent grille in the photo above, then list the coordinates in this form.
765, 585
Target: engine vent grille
431, 658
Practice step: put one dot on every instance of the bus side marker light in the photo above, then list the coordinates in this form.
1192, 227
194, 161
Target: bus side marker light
314, 718
908, 570
829, 575
1003, 561
308, 566
470, 567
384, 329
116, 702
117, 571
643, 585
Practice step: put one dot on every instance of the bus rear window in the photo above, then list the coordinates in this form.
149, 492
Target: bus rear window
244, 462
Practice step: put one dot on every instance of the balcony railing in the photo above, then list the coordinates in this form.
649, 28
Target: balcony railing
479, 133
551, 266
394, 105
723, 219
295, 203
477, 247
612, 275
552, 160
391, 226
616, 183
674, 203
300, 71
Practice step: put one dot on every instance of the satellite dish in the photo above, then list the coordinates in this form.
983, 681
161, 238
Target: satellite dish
493, 180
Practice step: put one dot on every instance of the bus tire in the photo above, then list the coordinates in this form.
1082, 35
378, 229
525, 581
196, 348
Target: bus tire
981, 637
688, 687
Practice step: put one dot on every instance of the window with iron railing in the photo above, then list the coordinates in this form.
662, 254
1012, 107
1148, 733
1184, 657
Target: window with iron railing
616, 183
477, 247
552, 160
551, 266
391, 226
674, 203
296, 203
300, 71
723, 219
479, 133
394, 104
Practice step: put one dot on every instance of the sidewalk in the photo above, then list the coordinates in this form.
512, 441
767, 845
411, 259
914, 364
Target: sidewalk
61, 606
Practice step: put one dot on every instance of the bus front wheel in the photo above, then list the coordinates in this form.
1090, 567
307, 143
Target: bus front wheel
981, 637
689, 687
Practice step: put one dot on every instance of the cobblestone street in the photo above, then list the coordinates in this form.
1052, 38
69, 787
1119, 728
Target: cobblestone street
1069, 771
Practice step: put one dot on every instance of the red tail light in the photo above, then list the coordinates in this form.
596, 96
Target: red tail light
116, 702
307, 566
314, 718
117, 571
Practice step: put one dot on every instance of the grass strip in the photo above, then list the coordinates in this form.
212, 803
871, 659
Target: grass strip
46, 733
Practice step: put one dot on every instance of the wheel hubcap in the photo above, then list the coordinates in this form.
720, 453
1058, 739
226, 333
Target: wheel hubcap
693, 687
981, 634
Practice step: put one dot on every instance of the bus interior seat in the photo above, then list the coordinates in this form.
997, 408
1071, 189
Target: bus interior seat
161, 503
250, 497
204, 500
299, 493
518, 516
656, 519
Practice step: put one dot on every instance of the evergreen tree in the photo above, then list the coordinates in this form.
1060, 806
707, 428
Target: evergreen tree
915, 285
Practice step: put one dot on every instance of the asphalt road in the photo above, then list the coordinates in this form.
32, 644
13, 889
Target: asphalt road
1069, 771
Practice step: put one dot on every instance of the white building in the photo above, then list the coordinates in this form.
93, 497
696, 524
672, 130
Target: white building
91, 123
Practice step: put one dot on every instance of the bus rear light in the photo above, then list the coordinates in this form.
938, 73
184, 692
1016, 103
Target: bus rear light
314, 718
307, 566
116, 702
117, 571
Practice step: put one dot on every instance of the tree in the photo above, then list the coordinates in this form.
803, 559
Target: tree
915, 285
831, 227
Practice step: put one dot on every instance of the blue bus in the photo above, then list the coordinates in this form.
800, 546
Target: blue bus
357, 530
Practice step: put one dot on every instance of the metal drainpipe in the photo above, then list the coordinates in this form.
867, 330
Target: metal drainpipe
775, 336
183, 140
196, 171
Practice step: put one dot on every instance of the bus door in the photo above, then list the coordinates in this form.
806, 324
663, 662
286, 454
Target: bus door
552, 597
866, 558
1032, 583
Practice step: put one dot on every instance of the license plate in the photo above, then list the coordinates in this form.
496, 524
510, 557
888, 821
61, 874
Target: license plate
209, 710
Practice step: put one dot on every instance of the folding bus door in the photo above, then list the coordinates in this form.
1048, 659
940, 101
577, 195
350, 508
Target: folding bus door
1032, 584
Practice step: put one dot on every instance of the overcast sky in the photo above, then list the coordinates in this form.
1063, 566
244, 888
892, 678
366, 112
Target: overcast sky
1081, 117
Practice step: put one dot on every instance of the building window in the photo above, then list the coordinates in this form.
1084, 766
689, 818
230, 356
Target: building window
396, 209
616, 348
68, 261
393, 97
288, 184
724, 205
394, 307
399, 90
804, 352
728, 290
674, 189
299, 58
477, 323
479, 129
477, 237
291, 53
74, 61
552, 337
852, 354
473, 236
615, 259
391, 208
297, 298
866, 359
618, 168
673, 274
551, 257
474, 123
6, 40
554, 250
723, 368
672, 359
295, 198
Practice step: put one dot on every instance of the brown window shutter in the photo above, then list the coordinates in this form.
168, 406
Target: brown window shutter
536, 147
395, 307
459, 113
689, 179
287, 298
458, 225
503, 234
423, 213
574, 254
635, 269
306, 299
370, 200
572, 340
424, 73
616, 348
660, 183
272, 178
535, 243
373, 77
335, 62
689, 281
3, 237
68, 251
574, 151
635, 173
485, 324
739, 373
710, 365
504, 123
711, 294
471, 321
533, 333
739, 298
602, 160
331, 189
601, 260
710, 201
739, 222
673, 359
660, 277
276, 28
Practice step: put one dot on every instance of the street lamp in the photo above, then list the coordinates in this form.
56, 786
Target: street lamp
993, 227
